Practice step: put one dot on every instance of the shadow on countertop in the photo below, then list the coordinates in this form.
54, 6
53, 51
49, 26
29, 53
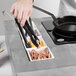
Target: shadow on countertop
4, 60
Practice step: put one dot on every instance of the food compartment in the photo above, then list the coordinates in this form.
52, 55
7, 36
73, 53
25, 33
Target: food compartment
37, 33
33, 25
35, 29
42, 42
40, 54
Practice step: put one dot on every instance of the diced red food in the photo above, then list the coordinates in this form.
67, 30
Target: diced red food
33, 54
40, 55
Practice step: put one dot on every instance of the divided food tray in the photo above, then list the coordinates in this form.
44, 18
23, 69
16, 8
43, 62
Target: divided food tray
37, 54
42, 53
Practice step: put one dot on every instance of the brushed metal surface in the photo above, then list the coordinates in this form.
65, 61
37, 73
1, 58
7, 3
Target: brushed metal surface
65, 55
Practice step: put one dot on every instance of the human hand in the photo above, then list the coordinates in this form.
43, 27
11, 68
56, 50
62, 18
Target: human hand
22, 10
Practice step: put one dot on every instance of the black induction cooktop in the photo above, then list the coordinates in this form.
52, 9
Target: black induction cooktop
56, 37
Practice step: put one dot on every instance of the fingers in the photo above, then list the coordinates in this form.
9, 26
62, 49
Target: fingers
29, 13
13, 9
24, 18
20, 14
15, 13
22, 10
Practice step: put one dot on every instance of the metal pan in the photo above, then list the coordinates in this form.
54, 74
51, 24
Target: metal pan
66, 25
63, 26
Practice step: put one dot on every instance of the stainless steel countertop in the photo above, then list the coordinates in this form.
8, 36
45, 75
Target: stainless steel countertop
5, 66
63, 64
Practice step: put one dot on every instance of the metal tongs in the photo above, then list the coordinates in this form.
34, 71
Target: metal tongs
28, 29
30, 32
